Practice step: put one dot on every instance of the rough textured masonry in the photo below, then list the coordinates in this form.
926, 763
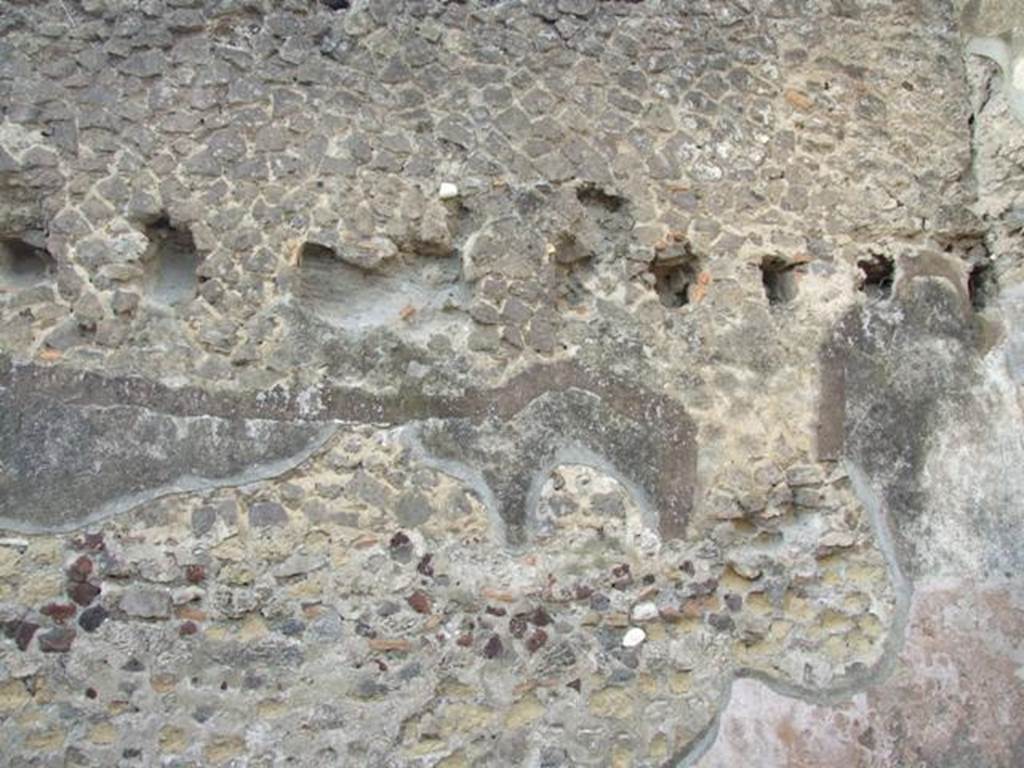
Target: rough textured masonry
512, 383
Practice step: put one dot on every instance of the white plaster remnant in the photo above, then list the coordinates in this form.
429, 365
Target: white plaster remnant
634, 636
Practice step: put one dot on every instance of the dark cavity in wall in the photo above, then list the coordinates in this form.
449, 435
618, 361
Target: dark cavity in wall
592, 195
877, 277
779, 278
170, 264
676, 271
22, 264
319, 269
982, 284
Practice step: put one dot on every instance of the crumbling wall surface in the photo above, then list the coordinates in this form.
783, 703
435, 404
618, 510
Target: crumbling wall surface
528, 383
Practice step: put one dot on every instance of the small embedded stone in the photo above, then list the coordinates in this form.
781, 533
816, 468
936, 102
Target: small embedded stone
517, 625
540, 617
646, 611
493, 648
401, 547
746, 568
146, 603
536, 640
22, 632
83, 592
92, 618
90, 542
59, 612
188, 628
299, 563
721, 621
832, 541
413, 510
425, 566
621, 576
81, 569
389, 645
264, 514
292, 628
57, 640
702, 588
447, 190
798, 99
484, 313
419, 601
634, 636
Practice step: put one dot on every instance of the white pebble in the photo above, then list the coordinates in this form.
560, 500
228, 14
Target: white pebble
447, 190
633, 637
645, 612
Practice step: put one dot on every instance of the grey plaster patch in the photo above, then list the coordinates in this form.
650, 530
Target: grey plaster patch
67, 461
63, 440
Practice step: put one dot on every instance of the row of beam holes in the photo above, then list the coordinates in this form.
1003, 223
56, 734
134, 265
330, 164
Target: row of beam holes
779, 278
878, 273
170, 264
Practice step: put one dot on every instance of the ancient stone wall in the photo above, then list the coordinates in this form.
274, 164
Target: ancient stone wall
513, 383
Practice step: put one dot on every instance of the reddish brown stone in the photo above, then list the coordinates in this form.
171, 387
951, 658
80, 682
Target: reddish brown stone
540, 617
536, 641
82, 592
419, 601
195, 574
81, 569
59, 612
465, 640
188, 628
